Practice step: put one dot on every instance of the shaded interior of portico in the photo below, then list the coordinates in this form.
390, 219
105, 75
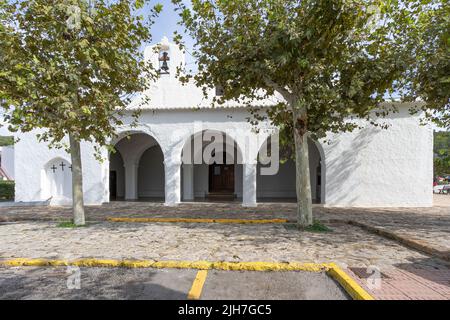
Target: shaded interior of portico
281, 187
210, 170
137, 169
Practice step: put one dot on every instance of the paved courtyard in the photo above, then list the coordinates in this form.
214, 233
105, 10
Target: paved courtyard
406, 273
429, 226
195, 241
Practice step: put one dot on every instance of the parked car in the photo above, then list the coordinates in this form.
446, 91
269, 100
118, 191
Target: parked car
443, 188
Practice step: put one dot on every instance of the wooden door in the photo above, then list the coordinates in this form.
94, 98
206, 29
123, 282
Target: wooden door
221, 178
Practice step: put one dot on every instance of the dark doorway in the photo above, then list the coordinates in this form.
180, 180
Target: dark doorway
112, 184
221, 178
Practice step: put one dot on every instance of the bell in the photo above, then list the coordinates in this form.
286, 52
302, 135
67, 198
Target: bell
164, 66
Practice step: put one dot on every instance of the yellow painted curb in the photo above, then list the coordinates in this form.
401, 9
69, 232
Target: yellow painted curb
199, 220
350, 285
197, 285
174, 264
268, 266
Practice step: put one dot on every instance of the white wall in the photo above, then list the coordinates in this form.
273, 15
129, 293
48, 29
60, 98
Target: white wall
30, 162
238, 176
369, 167
56, 182
380, 168
151, 173
201, 174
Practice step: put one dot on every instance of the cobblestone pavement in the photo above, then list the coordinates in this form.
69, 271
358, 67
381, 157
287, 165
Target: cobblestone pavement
31, 232
430, 226
197, 241
347, 245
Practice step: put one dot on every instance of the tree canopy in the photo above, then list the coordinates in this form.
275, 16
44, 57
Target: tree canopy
425, 34
441, 153
6, 141
333, 62
68, 67
340, 58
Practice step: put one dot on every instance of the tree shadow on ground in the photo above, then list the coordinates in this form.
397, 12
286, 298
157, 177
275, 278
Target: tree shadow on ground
425, 269
257, 234
29, 283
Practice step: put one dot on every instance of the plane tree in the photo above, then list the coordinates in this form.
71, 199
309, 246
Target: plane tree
68, 69
331, 62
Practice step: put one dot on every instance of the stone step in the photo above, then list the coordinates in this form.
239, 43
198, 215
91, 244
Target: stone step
224, 196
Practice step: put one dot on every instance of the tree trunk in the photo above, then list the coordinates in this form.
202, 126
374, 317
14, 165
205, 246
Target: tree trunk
303, 182
77, 182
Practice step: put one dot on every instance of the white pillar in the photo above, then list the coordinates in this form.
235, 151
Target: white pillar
188, 182
131, 172
172, 182
249, 185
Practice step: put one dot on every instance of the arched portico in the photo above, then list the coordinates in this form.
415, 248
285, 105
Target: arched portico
211, 167
137, 168
279, 183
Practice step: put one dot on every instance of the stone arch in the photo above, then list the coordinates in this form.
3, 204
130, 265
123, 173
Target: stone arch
143, 175
220, 175
282, 184
56, 181
124, 131
235, 145
177, 148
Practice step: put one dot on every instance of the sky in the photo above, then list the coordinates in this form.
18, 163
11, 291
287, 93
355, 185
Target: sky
166, 24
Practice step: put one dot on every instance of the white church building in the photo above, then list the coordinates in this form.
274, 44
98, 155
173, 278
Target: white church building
370, 167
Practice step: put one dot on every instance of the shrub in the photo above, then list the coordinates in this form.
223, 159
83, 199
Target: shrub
6, 141
318, 226
69, 224
6, 190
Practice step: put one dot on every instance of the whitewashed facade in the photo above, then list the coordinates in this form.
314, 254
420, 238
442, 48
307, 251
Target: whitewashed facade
367, 168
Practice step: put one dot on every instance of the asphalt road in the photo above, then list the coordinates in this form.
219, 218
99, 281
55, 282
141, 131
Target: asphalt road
172, 284
253, 285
